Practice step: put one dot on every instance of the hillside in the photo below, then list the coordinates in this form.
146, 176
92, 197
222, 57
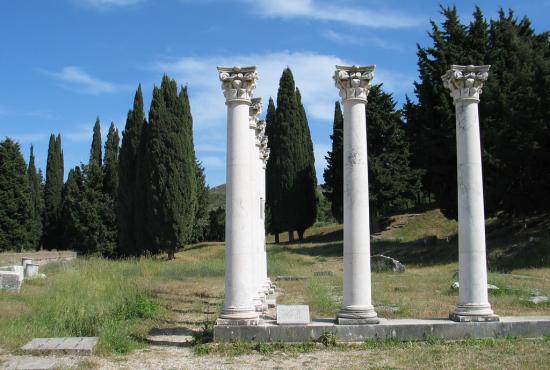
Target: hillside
216, 197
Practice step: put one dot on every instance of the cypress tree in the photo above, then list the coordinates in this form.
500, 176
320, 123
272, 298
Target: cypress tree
16, 208
171, 192
274, 215
110, 162
333, 174
74, 230
95, 151
37, 203
129, 186
306, 178
201, 198
53, 194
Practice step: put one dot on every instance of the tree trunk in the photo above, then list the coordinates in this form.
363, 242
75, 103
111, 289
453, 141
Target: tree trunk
171, 254
291, 236
300, 234
276, 238
375, 220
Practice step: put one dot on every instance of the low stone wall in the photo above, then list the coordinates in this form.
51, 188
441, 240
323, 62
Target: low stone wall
40, 258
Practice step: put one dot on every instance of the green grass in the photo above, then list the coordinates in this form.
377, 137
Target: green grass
91, 297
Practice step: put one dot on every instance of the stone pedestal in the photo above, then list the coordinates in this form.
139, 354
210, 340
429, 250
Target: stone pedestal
240, 282
354, 83
465, 83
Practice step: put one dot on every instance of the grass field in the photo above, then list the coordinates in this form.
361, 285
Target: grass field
122, 301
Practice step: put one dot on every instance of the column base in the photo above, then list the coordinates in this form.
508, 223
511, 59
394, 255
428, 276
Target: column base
241, 322
473, 318
238, 316
357, 316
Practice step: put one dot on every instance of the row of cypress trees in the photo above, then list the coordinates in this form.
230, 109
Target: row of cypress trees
143, 197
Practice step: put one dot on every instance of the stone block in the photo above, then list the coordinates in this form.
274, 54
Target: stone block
10, 281
381, 263
63, 345
31, 270
292, 314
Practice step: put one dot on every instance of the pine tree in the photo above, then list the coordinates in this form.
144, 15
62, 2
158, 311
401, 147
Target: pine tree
392, 182
53, 194
333, 174
128, 187
16, 208
37, 202
171, 192
513, 112
435, 150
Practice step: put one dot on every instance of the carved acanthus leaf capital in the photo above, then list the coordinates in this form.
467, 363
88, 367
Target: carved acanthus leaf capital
238, 83
260, 133
254, 112
264, 153
353, 82
465, 82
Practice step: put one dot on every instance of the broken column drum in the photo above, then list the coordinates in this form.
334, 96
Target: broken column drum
240, 283
353, 84
465, 83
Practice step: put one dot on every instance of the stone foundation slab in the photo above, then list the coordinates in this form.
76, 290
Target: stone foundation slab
401, 329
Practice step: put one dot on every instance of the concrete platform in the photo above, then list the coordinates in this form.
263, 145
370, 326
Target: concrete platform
402, 329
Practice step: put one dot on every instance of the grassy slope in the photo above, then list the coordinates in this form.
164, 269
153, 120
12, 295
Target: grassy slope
122, 300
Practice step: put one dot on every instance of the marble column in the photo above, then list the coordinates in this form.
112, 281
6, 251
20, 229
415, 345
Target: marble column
240, 283
465, 83
254, 113
354, 84
263, 157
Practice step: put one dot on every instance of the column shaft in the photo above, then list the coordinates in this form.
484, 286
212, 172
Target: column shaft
465, 83
240, 288
357, 303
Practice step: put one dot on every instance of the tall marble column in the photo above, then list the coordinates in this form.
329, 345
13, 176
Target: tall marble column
354, 84
240, 283
263, 157
254, 113
465, 83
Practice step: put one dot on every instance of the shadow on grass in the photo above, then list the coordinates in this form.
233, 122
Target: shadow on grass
509, 246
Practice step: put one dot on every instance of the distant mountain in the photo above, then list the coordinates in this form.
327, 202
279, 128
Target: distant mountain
216, 197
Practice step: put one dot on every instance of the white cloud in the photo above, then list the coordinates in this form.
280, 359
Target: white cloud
313, 76
346, 39
74, 78
327, 11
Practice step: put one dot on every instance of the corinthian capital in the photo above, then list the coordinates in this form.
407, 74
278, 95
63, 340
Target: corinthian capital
353, 82
238, 83
465, 82
260, 133
254, 112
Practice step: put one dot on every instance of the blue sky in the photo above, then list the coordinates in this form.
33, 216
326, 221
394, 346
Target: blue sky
64, 62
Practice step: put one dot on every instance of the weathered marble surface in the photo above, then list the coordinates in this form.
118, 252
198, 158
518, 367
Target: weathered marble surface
353, 83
